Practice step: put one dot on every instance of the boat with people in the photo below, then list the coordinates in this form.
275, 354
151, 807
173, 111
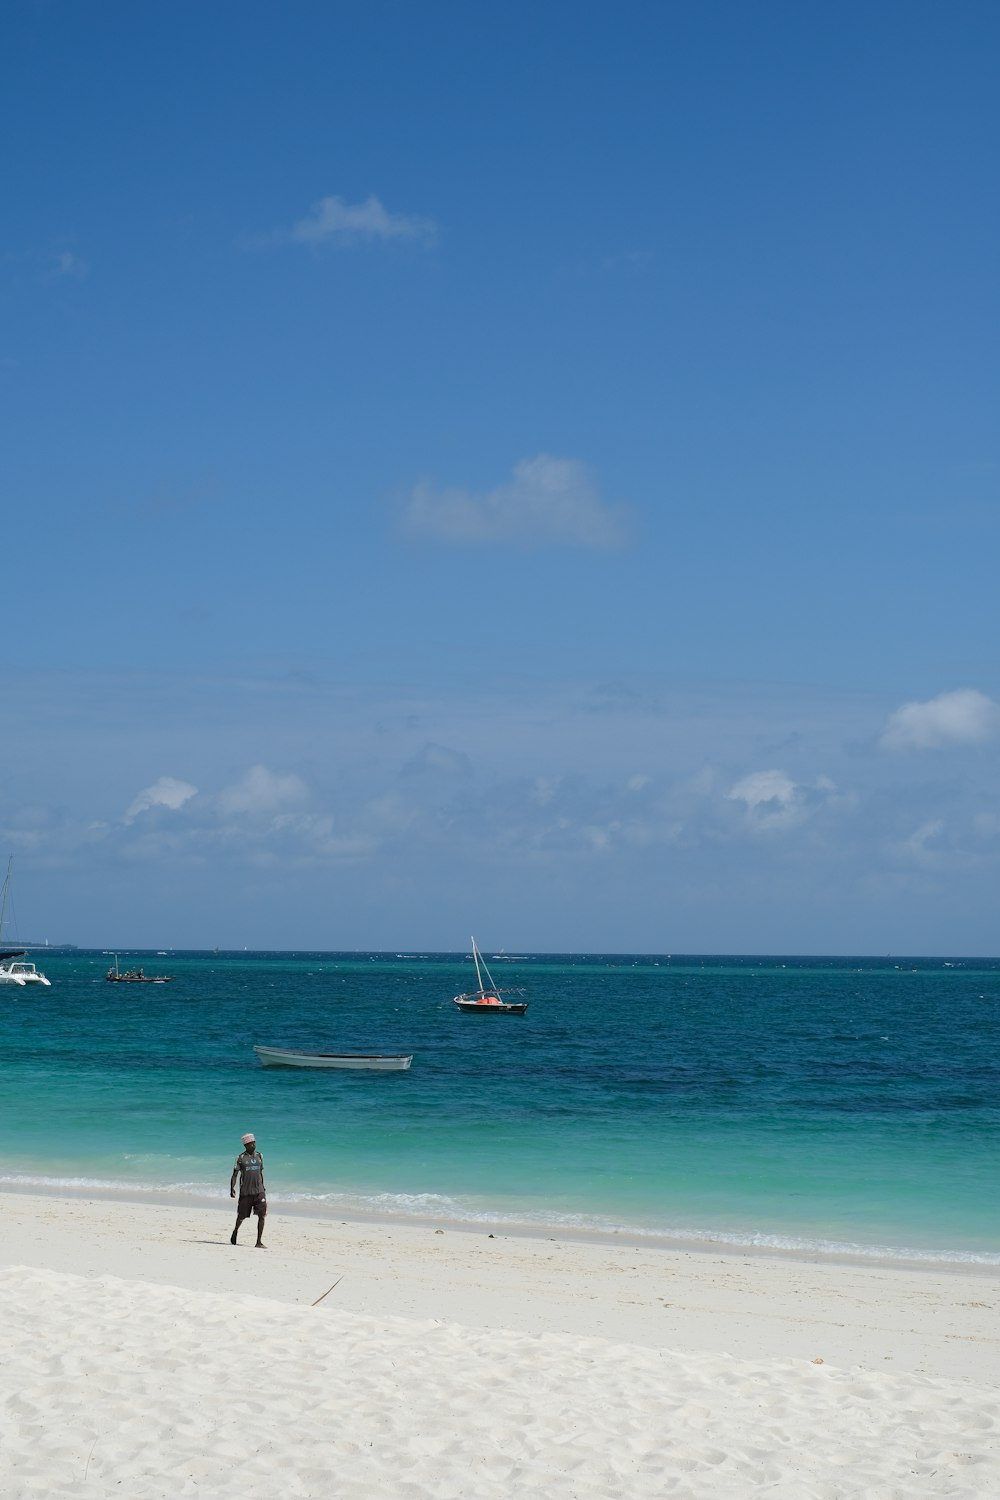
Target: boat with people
287, 1057
135, 976
12, 968
486, 999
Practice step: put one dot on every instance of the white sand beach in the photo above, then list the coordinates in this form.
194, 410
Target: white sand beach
143, 1356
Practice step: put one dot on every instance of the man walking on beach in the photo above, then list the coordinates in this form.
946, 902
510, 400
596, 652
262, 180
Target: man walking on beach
249, 1168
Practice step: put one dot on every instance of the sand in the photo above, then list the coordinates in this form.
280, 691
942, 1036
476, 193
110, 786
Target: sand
143, 1356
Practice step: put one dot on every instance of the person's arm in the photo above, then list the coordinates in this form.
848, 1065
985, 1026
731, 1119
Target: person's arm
262, 1187
232, 1180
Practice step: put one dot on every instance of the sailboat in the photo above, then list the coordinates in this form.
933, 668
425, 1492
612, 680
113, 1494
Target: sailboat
485, 998
11, 970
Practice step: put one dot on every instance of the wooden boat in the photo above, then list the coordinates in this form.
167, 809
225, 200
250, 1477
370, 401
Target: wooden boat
138, 978
286, 1057
135, 976
485, 999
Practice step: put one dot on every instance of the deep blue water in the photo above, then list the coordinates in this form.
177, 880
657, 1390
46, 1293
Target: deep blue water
849, 1102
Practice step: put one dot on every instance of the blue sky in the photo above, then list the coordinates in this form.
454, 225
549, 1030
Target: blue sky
531, 472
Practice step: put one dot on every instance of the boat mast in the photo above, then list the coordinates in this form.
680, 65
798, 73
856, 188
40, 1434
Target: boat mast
475, 960
481, 961
3, 896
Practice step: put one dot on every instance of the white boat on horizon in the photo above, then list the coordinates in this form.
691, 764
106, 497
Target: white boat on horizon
288, 1057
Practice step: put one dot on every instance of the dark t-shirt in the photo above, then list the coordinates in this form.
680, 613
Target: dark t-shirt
250, 1165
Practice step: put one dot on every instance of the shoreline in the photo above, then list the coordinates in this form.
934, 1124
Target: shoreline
931, 1319
316, 1208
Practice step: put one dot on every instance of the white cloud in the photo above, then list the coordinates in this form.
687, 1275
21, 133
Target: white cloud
68, 264
331, 221
167, 792
262, 791
915, 847
549, 501
763, 788
963, 717
772, 799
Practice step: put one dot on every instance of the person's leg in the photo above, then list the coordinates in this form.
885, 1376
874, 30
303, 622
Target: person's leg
261, 1216
241, 1213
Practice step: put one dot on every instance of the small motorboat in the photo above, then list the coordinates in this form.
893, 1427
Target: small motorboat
486, 1000
287, 1057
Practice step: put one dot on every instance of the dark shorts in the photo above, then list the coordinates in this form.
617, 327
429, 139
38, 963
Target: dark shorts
252, 1203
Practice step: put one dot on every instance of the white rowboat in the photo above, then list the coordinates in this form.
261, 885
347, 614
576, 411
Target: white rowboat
284, 1057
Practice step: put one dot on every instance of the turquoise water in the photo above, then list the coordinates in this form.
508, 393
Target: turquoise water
827, 1103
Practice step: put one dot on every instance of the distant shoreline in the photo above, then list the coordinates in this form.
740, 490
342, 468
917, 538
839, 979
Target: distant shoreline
48, 947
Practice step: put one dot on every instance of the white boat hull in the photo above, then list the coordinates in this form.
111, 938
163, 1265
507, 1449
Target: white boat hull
22, 974
284, 1057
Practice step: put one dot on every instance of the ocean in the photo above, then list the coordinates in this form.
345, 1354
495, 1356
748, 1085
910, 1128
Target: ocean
836, 1106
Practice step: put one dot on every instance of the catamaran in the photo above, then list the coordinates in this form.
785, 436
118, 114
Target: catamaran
12, 971
485, 998
19, 973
